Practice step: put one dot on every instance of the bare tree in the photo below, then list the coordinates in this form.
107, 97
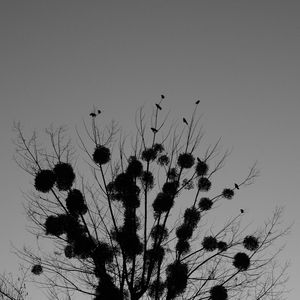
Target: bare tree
11, 288
110, 226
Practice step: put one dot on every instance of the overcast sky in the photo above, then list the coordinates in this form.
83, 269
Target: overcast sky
240, 58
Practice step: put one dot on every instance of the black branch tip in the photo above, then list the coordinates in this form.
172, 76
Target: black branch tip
101, 155
241, 261
44, 180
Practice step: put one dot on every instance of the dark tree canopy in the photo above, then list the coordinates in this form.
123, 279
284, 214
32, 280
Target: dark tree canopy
112, 221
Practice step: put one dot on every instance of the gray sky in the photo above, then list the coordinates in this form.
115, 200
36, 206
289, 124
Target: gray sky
241, 58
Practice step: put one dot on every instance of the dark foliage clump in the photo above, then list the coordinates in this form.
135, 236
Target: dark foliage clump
134, 168
182, 246
205, 203
37, 269
55, 225
250, 243
74, 230
106, 288
162, 203
201, 168
156, 289
147, 180
65, 176
149, 154
122, 182
158, 148
159, 232
83, 246
69, 251
191, 216
103, 253
222, 246
218, 292
184, 231
172, 174
101, 155
44, 180
241, 261
129, 241
156, 254
209, 243
228, 193
163, 160
75, 203
185, 160
170, 187
204, 184
177, 274
187, 184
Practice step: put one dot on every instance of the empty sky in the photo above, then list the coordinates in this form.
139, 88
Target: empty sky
241, 58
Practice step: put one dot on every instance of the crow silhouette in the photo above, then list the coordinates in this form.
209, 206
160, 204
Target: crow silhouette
162, 96
99, 111
158, 106
154, 129
93, 115
198, 159
197, 102
242, 211
185, 121
236, 186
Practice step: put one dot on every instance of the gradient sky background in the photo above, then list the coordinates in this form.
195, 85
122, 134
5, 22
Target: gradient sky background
241, 58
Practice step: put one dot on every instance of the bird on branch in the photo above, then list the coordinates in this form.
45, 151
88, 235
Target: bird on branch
158, 106
236, 186
197, 102
185, 121
154, 129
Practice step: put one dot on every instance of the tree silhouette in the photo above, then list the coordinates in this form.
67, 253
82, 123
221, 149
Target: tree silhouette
114, 230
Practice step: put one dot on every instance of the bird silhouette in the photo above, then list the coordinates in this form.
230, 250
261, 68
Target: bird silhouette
154, 129
162, 96
185, 121
236, 186
242, 211
197, 102
198, 159
93, 115
158, 106
99, 111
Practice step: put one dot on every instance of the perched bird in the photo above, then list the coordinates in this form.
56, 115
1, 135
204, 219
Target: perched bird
158, 106
236, 186
99, 111
162, 96
242, 211
93, 115
185, 121
154, 129
197, 102
198, 159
